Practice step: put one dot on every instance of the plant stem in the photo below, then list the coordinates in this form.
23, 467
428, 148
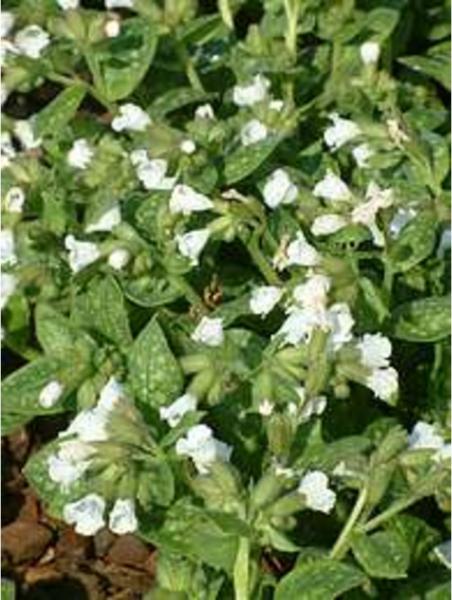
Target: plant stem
261, 262
226, 13
291, 7
241, 570
388, 513
341, 545
191, 295
190, 70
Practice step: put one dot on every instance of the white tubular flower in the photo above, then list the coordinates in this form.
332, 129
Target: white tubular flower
119, 258
111, 4
110, 395
313, 407
301, 253
247, 95
375, 350
340, 132
328, 224
188, 147
276, 105
341, 322
69, 463
331, 187
370, 52
279, 189
380, 197
6, 23
184, 199
313, 293
205, 111
191, 244
87, 514
50, 394
122, 518
89, 425
23, 130
201, 446
81, 254
106, 222
401, 218
424, 436
298, 326
31, 41
173, 413
80, 155
15, 200
361, 154
264, 299
8, 152
7, 247
384, 383
442, 552
318, 496
266, 407
152, 173
68, 4
131, 118
112, 28
8, 284
209, 331
253, 132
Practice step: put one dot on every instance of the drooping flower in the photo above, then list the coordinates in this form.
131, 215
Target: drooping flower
249, 94
31, 41
375, 350
205, 111
110, 394
266, 407
279, 189
81, 254
341, 322
191, 244
384, 383
370, 52
151, 172
328, 224
80, 155
70, 462
331, 187
313, 293
107, 221
50, 394
131, 117
14, 200
253, 132
202, 447
425, 436
185, 200
122, 518
23, 130
314, 406
7, 20
340, 132
8, 284
264, 299
361, 154
173, 413
87, 514
299, 252
112, 27
119, 258
68, 4
7, 247
298, 326
111, 4
209, 331
318, 496
188, 147
7, 150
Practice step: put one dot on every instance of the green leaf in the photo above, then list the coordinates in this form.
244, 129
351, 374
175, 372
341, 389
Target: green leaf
426, 320
156, 484
435, 64
52, 119
119, 64
103, 310
245, 160
418, 535
155, 375
383, 554
320, 580
175, 99
415, 243
8, 590
57, 335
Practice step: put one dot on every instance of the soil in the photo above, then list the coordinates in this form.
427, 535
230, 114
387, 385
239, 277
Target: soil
45, 557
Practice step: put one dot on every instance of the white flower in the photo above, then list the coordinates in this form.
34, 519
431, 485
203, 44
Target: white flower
205, 111
425, 436
380, 197
384, 383
314, 292
87, 514
442, 552
118, 259
375, 350
80, 155
69, 463
366, 212
313, 406
14, 200
444, 243
131, 117
81, 254
247, 95
276, 105
201, 446
341, 322
370, 52
110, 395
89, 425
173, 413
401, 218
252, 132
106, 222
318, 496
31, 41
266, 407
328, 224
279, 189
298, 326
151, 173
191, 244
340, 132
188, 147
110, 4
23, 130
209, 331
7, 149
396, 133
299, 252
361, 154
122, 518
8, 284
443, 454
184, 199
112, 28
68, 4
331, 187
7, 247
6, 23
264, 299
50, 394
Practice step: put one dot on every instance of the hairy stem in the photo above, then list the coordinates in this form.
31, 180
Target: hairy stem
341, 546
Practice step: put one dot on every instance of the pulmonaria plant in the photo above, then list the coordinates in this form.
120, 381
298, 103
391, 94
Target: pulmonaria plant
225, 251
